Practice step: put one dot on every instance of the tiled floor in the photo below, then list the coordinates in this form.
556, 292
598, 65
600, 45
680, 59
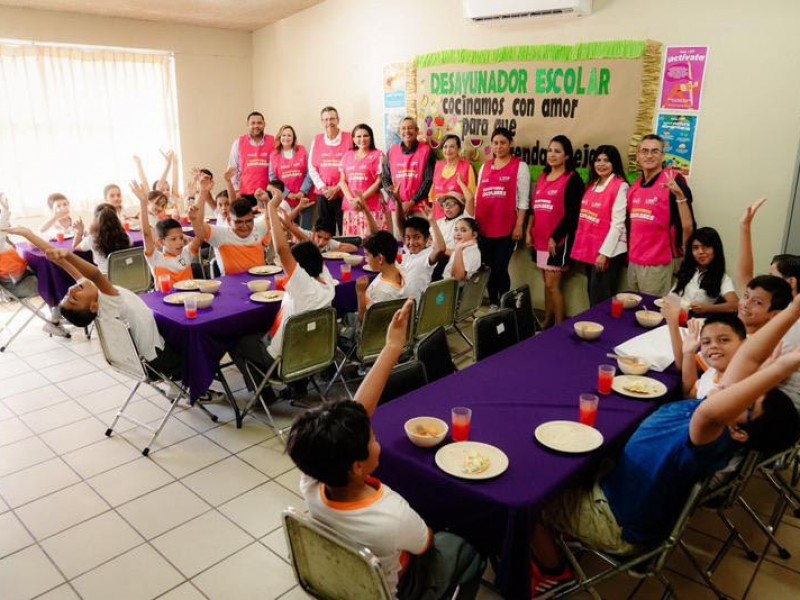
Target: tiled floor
84, 516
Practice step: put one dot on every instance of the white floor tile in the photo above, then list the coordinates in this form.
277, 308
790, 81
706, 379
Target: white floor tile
22, 454
86, 384
26, 574
140, 574
211, 537
60, 510
5, 412
259, 510
236, 440
139, 408
130, 481
104, 400
18, 384
100, 539
163, 509
101, 456
174, 431
57, 415
34, 399
75, 435
187, 591
62, 592
13, 535
291, 481
244, 576
67, 370
13, 367
37, 481
276, 541
296, 593
269, 457
224, 480
12, 430
54, 356
189, 456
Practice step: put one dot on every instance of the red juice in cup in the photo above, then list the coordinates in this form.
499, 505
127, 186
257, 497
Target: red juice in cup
165, 284
588, 409
126, 226
683, 318
399, 258
191, 313
617, 307
605, 378
60, 237
461, 422
280, 283
347, 276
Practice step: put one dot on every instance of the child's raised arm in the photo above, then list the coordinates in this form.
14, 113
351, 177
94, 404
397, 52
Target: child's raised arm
197, 216
140, 171
279, 240
230, 173
744, 266
370, 390
140, 191
439, 246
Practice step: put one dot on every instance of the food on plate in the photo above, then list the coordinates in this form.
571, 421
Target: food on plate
640, 387
475, 463
427, 430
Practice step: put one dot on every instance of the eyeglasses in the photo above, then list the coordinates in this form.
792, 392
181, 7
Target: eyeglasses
650, 151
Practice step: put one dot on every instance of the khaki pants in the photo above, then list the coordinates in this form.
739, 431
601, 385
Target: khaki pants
650, 280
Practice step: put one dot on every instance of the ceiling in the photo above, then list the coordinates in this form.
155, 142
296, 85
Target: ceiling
243, 15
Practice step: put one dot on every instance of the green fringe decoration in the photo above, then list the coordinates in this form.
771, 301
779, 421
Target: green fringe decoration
627, 49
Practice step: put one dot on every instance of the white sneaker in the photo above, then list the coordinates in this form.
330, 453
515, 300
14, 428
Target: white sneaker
56, 329
173, 391
212, 396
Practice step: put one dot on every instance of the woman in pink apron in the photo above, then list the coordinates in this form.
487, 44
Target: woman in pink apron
361, 176
601, 240
289, 163
556, 204
453, 174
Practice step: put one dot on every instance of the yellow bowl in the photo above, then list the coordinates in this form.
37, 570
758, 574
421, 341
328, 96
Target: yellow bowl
649, 318
588, 330
426, 432
629, 300
633, 365
354, 259
208, 286
259, 285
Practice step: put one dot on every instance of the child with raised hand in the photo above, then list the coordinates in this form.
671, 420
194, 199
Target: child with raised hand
320, 234
465, 259
702, 280
106, 235
60, 220
168, 254
335, 448
422, 257
380, 251
16, 276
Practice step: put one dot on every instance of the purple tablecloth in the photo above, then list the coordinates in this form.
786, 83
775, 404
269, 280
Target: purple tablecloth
205, 340
510, 394
53, 280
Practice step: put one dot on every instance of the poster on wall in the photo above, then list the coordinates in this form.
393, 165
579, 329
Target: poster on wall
594, 93
394, 101
678, 131
682, 78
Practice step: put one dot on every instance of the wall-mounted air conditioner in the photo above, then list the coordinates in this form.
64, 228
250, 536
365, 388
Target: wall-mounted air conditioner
490, 10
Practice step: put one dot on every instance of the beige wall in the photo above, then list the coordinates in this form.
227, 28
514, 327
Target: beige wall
747, 140
213, 68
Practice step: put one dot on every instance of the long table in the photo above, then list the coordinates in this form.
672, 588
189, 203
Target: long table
510, 394
205, 340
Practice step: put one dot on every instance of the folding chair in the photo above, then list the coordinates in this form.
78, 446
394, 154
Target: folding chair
648, 563
494, 332
308, 348
404, 378
437, 308
121, 354
371, 338
470, 299
433, 352
328, 565
24, 304
349, 239
128, 268
519, 300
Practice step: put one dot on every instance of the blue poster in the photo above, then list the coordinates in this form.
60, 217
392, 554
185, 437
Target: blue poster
678, 132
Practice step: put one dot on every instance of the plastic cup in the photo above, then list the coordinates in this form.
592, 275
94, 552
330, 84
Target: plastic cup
190, 307
347, 272
588, 409
126, 226
164, 284
683, 318
617, 307
605, 378
462, 420
280, 282
399, 259
60, 237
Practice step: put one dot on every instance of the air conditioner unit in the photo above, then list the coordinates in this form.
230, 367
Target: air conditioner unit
491, 10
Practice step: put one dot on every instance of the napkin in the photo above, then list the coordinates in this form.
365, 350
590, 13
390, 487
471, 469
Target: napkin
654, 346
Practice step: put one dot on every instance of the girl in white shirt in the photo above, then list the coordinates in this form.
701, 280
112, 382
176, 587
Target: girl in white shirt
466, 258
702, 280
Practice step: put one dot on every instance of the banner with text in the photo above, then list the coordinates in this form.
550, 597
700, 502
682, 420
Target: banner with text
596, 93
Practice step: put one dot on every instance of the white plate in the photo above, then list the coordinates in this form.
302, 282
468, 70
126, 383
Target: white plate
269, 296
178, 297
187, 285
568, 436
368, 269
651, 388
264, 270
335, 255
451, 459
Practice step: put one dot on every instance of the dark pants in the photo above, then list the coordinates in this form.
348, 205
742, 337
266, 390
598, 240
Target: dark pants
602, 285
330, 211
168, 362
496, 252
252, 347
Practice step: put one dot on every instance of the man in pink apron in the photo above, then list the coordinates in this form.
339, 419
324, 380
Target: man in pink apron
250, 155
324, 160
408, 170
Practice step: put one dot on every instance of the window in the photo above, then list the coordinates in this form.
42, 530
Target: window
71, 119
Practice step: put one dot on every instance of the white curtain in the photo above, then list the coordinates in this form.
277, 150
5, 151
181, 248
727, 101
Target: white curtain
71, 118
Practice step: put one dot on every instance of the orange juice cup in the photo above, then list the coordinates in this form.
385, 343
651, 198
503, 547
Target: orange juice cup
164, 284
347, 272
60, 237
588, 409
605, 378
190, 307
462, 421
617, 307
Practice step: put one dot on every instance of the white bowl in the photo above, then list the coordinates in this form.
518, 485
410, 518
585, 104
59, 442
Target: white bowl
629, 300
354, 259
633, 365
208, 286
649, 318
204, 300
259, 285
426, 432
588, 330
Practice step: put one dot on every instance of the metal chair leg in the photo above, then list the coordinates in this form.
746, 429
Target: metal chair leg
767, 530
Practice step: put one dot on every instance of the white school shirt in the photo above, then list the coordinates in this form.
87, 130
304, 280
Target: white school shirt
131, 309
332, 245
385, 523
708, 382
230, 248
418, 271
694, 293
98, 259
160, 263
303, 293
472, 261
448, 227
380, 289
791, 385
